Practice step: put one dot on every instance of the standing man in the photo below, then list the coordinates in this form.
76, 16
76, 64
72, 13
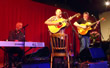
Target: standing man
85, 38
16, 35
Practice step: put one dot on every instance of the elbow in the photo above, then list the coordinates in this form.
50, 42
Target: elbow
45, 22
75, 24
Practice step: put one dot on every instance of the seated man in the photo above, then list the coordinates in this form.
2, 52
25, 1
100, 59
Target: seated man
16, 35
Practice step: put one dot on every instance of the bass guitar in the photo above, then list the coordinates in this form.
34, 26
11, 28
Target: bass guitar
83, 31
56, 28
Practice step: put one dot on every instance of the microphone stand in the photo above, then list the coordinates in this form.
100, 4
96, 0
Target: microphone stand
24, 29
24, 41
73, 30
98, 31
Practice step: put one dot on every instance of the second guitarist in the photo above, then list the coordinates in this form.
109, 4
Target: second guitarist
85, 38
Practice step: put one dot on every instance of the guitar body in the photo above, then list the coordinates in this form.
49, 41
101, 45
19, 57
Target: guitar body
56, 28
84, 31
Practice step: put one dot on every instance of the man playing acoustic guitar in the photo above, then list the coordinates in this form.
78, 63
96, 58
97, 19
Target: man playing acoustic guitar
56, 25
83, 30
57, 22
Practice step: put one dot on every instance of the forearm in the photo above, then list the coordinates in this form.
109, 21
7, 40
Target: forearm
80, 26
10, 38
95, 26
77, 25
49, 23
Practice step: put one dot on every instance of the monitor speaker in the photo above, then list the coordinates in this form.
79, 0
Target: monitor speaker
40, 65
92, 54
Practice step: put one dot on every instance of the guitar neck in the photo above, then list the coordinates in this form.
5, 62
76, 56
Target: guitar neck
68, 19
76, 15
94, 23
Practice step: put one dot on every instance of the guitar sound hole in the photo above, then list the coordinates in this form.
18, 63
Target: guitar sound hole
60, 23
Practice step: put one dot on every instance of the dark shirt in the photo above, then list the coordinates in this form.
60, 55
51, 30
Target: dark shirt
82, 21
16, 35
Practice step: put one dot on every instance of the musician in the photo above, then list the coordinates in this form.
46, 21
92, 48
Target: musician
57, 16
15, 35
84, 39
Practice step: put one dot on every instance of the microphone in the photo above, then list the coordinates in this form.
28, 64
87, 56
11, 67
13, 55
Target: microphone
94, 17
25, 26
64, 12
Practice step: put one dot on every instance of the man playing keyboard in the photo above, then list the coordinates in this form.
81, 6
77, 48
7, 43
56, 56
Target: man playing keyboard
16, 35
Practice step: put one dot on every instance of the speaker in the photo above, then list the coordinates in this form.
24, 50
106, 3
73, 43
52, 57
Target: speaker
40, 65
92, 54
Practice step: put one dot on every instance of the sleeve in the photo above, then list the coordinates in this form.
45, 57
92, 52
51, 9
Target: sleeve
10, 37
51, 19
79, 21
21, 37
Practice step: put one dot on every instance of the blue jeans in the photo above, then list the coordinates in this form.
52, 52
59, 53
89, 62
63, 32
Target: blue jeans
84, 42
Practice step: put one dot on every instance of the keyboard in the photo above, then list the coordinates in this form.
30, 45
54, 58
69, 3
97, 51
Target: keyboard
21, 44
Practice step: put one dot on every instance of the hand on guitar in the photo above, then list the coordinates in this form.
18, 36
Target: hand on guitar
98, 22
70, 18
84, 27
57, 23
16, 40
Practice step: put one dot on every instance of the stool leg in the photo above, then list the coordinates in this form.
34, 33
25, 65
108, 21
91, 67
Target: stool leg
51, 61
68, 62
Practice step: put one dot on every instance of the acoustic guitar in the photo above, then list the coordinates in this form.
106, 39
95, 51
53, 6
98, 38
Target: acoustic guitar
56, 28
83, 31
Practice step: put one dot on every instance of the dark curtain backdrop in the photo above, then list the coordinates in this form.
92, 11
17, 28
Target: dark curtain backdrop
34, 14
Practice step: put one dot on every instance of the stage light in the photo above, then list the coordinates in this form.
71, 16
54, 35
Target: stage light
107, 3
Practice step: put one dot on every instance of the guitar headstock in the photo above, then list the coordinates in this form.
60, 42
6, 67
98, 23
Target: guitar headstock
102, 19
77, 15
